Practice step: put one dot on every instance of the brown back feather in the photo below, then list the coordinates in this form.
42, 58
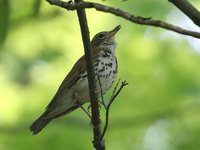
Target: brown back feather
78, 68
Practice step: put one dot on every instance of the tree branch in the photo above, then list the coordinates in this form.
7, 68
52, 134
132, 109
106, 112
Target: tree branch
125, 15
188, 9
112, 98
101, 91
99, 145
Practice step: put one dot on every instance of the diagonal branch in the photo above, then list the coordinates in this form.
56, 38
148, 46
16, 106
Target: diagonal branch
188, 9
125, 15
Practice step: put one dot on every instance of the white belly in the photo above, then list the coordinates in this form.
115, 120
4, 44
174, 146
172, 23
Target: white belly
106, 70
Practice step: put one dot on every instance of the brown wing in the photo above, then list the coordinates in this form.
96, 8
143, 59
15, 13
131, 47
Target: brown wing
78, 68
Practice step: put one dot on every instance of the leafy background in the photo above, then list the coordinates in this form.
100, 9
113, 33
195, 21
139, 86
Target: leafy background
160, 108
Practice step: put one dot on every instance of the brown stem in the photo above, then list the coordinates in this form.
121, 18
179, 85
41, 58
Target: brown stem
188, 9
126, 15
101, 91
112, 98
91, 78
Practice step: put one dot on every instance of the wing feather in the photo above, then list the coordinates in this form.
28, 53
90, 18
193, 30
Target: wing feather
78, 68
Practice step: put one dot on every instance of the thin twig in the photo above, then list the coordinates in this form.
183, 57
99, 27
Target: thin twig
87, 113
112, 98
126, 15
101, 91
116, 86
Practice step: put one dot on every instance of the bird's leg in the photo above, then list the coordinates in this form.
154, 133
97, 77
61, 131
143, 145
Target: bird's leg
78, 102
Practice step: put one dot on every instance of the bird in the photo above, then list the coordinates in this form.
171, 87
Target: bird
74, 90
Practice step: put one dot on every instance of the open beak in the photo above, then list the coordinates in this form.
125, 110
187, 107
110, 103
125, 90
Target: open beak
113, 32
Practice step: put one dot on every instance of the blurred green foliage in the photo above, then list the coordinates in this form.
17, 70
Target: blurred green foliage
4, 21
160, 108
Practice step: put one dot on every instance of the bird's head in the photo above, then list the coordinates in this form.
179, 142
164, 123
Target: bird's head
105, 38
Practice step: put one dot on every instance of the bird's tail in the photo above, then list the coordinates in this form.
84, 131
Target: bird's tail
39, 124
45, 118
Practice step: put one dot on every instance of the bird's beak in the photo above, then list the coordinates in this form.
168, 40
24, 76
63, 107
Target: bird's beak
113, 32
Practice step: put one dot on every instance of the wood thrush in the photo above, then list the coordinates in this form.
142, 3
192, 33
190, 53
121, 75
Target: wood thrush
74, 90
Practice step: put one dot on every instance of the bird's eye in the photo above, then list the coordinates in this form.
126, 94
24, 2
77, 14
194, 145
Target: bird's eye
101, 35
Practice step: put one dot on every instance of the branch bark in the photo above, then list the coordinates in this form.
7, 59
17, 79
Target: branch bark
126, 15
188, 9
96, 122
